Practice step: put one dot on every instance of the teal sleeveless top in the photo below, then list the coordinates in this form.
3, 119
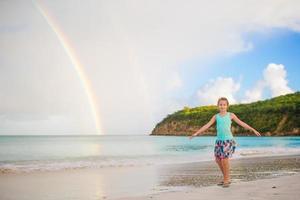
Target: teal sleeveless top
224, 127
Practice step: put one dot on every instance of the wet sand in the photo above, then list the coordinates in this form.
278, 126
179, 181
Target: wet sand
245, 169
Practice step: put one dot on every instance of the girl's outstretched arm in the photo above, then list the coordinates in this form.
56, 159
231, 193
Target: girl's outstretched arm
206, 126
243, 124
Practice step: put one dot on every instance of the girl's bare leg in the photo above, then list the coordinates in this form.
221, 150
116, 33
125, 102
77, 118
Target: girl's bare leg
218, 161
225, 164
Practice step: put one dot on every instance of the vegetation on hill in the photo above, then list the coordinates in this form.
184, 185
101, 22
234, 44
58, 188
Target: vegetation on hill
277, 116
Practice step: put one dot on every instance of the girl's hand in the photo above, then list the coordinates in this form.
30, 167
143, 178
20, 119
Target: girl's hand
193, 135
256, 133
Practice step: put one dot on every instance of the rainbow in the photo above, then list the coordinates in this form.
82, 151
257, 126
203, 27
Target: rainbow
65, 43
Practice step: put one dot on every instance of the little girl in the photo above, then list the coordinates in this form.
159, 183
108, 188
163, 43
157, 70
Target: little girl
225, 143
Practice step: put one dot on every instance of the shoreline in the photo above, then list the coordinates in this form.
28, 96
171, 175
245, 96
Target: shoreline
141, 182
4, 170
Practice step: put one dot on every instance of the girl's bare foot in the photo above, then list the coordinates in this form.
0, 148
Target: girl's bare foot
226, 184
222, 182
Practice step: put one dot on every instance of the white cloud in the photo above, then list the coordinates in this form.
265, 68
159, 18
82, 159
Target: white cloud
256, 93
274, 79
216, 88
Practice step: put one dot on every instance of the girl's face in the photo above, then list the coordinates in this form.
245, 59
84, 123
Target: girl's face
223, 106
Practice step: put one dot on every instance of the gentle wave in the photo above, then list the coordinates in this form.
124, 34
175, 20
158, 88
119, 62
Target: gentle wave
54, 165
266, 151
134, 161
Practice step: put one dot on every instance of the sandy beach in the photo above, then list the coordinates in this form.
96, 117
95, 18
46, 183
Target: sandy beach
274, 177
285, 187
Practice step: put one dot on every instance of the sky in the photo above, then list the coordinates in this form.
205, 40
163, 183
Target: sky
120, 67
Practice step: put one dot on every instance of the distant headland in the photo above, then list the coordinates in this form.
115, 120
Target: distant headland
278, 116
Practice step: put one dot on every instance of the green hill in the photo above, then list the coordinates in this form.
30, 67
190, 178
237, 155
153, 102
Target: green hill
279, 116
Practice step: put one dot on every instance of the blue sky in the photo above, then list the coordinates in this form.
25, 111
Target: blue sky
279, 46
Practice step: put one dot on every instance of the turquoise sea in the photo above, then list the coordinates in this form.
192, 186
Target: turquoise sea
49, 153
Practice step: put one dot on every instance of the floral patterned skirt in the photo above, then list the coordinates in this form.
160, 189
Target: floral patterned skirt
224, 148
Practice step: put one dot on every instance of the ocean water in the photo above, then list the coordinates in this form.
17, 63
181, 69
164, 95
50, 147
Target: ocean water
49, 153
